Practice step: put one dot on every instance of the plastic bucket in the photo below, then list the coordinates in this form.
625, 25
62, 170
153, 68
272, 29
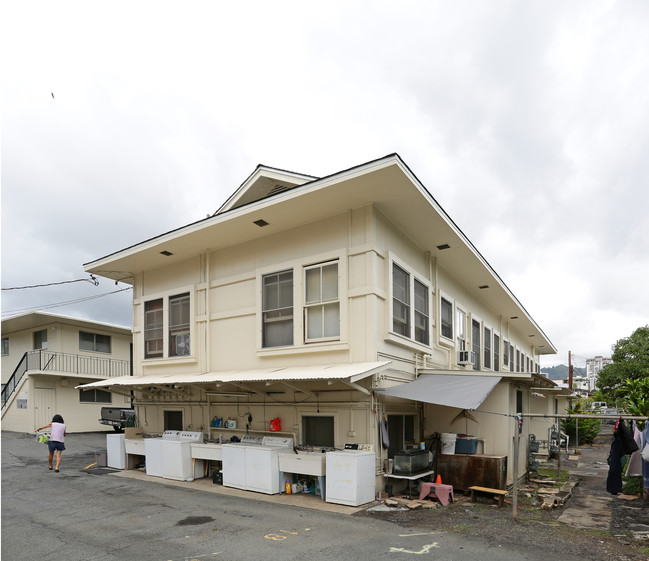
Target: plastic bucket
448, 442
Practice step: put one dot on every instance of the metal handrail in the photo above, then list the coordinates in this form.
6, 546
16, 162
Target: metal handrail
65, 363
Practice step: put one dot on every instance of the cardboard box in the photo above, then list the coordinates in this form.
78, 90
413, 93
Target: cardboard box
133, 432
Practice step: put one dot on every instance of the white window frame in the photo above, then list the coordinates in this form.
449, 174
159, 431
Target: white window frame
487, 351
441, 325
166, 297
282, 318
460, 334
409, 338
425, 313
182, 329
478, 365
5, 346
322, 303
497, 352
300, 343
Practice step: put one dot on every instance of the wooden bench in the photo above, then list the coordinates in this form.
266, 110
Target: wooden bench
497, 493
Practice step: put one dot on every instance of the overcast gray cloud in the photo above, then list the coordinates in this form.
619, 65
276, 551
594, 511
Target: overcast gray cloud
528, 122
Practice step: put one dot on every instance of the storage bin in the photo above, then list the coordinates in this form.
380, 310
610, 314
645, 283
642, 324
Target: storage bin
448, 442
466, 445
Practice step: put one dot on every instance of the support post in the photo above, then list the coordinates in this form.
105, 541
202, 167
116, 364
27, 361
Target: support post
517, 442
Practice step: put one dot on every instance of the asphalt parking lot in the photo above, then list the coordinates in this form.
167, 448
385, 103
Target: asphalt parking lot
100, 514
78, 515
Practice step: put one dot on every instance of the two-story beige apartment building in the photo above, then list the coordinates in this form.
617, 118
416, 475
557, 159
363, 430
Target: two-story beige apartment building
45, 356
310, 300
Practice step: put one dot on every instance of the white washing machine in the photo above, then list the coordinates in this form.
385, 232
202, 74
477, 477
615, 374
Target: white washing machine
262, 464
177, 460
350, 477
234, 460
153, 452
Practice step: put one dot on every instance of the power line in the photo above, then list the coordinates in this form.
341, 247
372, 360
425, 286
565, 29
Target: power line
56, 305
91, 280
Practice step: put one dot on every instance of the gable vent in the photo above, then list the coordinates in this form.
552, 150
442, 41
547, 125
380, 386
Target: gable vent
279, 189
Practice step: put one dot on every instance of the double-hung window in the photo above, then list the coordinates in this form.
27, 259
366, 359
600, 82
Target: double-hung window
153, 328
277, 309
475, 343
400, 301
460, 327
421, 313
410, 306
179, 342
446, 312
505, 353
5, 346
487, 347
496, 352
321, 303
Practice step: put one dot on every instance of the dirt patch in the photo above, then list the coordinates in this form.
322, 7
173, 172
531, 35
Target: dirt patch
533, 528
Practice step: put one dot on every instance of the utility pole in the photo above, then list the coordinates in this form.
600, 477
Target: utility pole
570, 370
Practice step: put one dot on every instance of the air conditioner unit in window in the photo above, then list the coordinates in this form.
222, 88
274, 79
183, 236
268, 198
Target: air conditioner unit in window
182, 344
465, 357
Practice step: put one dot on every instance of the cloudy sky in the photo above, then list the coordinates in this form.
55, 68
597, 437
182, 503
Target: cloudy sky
527, 121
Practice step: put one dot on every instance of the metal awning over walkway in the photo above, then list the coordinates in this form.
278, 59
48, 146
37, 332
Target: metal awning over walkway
463, 392
350, 372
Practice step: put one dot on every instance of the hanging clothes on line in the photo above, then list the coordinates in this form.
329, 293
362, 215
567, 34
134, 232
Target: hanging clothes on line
623, 444
634, 467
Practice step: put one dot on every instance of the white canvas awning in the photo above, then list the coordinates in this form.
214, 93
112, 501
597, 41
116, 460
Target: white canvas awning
351, 372
461, 391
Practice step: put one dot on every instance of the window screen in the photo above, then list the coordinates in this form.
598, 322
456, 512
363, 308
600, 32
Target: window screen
318, 431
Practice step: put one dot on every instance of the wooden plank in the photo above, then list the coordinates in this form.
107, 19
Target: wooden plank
488, 490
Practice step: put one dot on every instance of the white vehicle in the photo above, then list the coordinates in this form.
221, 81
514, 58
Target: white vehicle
598, 405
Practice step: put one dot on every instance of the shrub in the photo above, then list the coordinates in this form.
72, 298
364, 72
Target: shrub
588, 429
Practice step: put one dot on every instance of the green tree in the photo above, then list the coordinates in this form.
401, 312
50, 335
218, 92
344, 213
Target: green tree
630, 362
637, 397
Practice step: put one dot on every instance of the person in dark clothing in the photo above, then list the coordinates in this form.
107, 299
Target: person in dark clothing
623, 444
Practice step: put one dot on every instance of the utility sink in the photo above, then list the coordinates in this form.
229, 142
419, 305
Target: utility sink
304, 463
207, 451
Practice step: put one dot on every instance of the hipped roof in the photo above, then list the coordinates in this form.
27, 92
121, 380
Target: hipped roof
387, 184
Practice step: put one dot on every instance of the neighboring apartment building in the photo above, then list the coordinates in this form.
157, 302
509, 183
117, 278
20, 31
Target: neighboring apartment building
593, 368
44, 356
311, 300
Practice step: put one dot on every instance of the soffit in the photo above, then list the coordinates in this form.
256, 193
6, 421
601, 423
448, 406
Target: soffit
34, 320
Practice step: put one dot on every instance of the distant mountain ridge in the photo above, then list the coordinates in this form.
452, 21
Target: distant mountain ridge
560, 372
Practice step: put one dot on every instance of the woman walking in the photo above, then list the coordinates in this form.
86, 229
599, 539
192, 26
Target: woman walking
57, 436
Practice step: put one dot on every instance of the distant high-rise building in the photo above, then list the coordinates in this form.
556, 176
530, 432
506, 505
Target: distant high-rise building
593, 368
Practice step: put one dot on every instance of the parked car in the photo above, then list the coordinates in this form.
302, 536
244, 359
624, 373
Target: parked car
117, 417
598, 405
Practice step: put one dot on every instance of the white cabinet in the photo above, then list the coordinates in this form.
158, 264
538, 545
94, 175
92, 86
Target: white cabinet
115, 452
350, 477
153, 456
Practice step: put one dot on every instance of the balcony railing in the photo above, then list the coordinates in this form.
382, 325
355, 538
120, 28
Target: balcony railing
64, 363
